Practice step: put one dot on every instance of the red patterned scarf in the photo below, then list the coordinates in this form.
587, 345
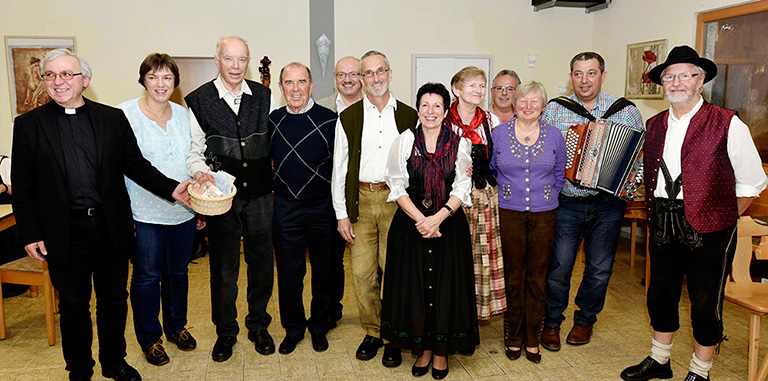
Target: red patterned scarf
435, 166
467, 131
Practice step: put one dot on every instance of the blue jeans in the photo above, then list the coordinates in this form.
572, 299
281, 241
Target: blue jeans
250, 219
597, 220
160, 273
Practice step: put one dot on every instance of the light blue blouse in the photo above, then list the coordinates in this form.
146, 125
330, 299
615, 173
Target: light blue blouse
167, 151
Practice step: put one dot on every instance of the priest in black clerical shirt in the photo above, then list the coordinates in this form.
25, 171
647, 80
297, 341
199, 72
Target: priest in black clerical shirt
73, 211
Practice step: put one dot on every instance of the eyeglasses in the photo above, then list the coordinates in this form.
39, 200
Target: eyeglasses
66, 76
371, 73
683, 77
351, 75
510, 89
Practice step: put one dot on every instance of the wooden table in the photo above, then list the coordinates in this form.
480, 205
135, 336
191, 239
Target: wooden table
7, 219
636, 211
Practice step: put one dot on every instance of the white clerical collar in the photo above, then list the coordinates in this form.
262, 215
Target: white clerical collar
70, 111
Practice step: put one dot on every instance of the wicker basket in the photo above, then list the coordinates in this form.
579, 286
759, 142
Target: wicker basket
210, 206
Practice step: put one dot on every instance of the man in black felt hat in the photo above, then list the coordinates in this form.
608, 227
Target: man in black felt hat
717, 172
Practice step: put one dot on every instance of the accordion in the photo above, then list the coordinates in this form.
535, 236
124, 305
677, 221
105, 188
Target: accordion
605, 155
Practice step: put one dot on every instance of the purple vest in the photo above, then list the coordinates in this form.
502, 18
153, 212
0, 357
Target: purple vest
708, 180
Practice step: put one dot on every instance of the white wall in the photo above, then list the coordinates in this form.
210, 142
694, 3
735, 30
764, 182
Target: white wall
506, 29
116, 35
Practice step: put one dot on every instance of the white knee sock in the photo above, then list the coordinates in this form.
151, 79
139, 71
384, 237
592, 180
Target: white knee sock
661, 352
699, 366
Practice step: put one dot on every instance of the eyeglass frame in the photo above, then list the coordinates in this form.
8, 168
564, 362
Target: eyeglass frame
51, 76
679, 77
510, 89
379, 71
350, 75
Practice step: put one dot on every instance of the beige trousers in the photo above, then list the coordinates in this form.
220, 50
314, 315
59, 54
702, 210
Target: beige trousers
369, 253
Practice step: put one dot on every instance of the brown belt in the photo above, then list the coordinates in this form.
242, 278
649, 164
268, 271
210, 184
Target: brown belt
373, 186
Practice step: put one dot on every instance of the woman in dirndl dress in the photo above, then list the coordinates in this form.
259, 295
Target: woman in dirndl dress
468, 120
429, 295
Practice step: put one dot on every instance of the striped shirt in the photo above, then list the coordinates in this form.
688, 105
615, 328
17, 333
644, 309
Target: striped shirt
562, 118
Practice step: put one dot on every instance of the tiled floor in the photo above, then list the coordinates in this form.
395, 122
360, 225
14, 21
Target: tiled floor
622, 337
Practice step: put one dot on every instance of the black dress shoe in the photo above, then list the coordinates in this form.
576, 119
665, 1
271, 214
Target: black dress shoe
121, 372
646, 370
262, 341
368, 348
392, 357
156, 355
77, 378
319, 342
289, 344
439, 374
222, 350
418, 371
513, 354
533, 357
695, 377
184, 340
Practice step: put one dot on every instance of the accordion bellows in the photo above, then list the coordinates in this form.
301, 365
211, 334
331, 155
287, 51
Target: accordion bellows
605, 155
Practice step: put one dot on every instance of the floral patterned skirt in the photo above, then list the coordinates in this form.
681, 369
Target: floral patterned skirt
483, 218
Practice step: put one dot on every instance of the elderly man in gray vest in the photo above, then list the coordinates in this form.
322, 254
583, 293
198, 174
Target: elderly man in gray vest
364, 133
229, 120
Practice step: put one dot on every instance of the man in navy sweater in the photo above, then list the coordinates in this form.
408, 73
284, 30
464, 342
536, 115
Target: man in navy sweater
301, 137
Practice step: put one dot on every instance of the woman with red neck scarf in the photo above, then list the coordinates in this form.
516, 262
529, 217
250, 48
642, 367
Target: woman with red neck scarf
468, 120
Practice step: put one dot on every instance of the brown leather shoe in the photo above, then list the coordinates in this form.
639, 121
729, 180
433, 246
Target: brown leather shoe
550, 338
579, 335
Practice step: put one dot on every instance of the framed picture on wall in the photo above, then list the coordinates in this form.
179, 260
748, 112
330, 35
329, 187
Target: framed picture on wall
641, 58
24, 55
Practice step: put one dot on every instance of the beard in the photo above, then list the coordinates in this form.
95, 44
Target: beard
689, 95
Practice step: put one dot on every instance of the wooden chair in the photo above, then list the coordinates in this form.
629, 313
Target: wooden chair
747, 294
34, 274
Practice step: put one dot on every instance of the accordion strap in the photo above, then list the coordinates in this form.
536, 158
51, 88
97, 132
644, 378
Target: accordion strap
617, 106
572, 105
579, 109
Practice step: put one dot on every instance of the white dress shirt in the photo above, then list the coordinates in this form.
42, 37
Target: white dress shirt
379, 131
196, 157
340, 106
746, 163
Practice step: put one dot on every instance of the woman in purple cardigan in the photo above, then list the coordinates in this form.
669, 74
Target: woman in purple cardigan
529, 159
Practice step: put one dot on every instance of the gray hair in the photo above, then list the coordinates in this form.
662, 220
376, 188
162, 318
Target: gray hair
221, 40
531, 87
373, 53
61, 52
296, 64
508, 72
